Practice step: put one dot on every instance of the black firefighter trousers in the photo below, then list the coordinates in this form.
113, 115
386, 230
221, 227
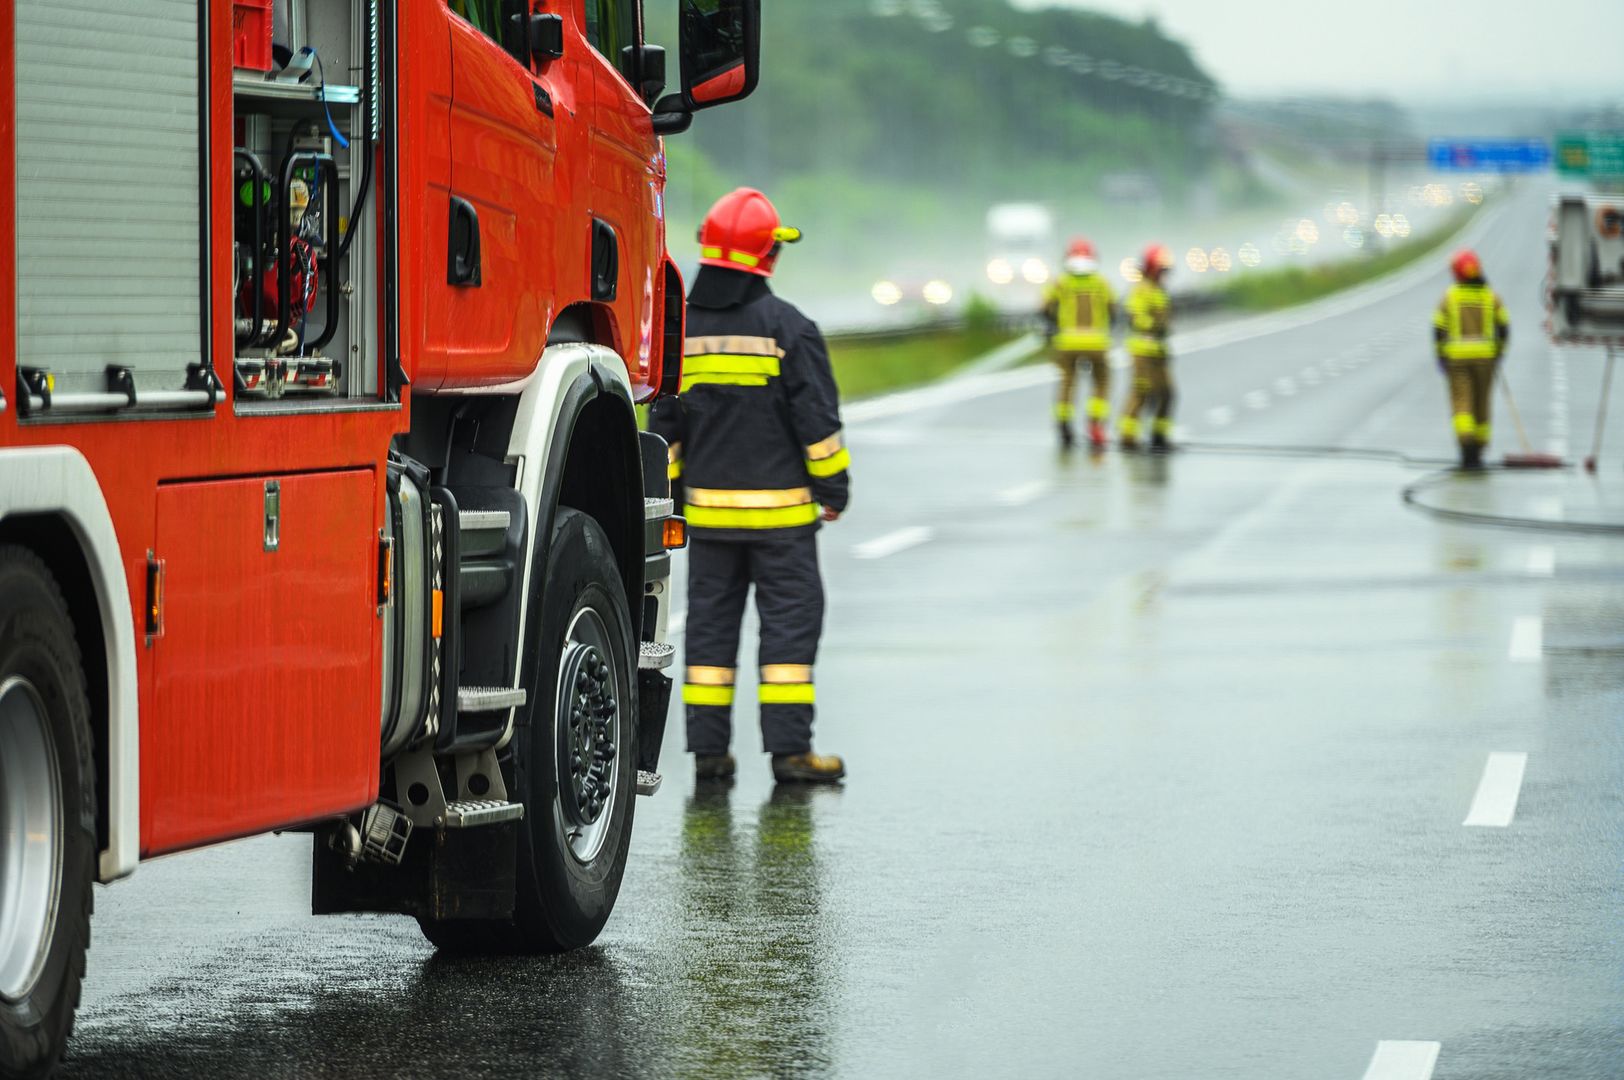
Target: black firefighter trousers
789, 600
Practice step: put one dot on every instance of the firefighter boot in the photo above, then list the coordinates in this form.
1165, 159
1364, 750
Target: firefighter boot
714, 766
1158, 441
1067, 438
1471, 455
808, 768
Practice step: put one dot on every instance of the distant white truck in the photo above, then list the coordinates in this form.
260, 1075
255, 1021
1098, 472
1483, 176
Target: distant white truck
1021, 241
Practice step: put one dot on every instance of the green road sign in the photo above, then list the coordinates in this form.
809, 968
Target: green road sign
1590, 153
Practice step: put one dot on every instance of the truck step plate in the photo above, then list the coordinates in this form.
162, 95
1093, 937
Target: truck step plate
655, 656
648, 782
472, 813
658, 508
483, 520
478, 699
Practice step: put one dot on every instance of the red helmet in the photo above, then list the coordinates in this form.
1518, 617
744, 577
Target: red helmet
743, 232
1080, 248
1466, 266
1157, 261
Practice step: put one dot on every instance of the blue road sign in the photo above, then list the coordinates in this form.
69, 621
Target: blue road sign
1489, 155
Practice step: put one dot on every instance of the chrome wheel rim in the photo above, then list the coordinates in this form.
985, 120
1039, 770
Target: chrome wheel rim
586, 727
31, 838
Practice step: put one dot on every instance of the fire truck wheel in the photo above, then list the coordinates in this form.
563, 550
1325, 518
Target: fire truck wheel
47, 818
574, 765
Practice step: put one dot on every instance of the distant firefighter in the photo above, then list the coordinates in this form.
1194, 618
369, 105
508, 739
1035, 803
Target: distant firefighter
1470, 330
1149, 316
1078, 309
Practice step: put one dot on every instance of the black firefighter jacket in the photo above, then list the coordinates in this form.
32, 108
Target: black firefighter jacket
755, 441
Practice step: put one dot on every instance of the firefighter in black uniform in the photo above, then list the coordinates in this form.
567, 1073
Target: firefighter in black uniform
757, 456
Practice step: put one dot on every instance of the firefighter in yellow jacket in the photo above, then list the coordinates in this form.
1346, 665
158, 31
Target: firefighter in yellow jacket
1470, 330
1078, 309
1149, 318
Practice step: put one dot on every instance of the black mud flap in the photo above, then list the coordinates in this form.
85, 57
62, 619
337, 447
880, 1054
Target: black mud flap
446, 874
653, 702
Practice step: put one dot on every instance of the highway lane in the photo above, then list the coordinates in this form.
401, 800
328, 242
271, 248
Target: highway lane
1161, 767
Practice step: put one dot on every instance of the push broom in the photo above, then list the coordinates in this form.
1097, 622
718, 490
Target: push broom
1529, 458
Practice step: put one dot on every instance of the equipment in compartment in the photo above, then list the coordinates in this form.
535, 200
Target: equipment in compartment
304, 300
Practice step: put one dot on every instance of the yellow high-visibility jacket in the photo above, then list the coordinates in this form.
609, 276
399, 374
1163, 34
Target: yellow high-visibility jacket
1149, 313
1081, 306
1470, 323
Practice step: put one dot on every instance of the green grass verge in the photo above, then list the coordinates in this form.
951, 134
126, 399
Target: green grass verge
868, 366
1299, 284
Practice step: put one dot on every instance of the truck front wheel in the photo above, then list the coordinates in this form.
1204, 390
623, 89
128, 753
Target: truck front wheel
47, 818
574, 764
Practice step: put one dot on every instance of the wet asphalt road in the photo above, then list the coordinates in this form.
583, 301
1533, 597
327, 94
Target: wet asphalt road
1159, 768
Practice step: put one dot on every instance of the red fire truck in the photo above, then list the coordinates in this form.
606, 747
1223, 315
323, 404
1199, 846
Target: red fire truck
323, 503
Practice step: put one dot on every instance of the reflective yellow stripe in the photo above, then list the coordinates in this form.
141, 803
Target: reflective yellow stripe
1064, 410
707, 695
787, 234
1162, 427
1130, 427
1099, 409
785, 694
826, 447
730, 365
720, 379
701, 675
1465, 423
710, 253
673, 471
829, 466
786, 673
1470, 349
749, 500
718, 517
673, 460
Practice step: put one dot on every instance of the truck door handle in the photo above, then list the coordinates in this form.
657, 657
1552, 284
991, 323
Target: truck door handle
462, 261
605, 261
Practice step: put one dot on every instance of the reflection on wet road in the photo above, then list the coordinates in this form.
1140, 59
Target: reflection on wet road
1210, 765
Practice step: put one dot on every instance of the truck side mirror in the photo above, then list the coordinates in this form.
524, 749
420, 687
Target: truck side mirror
542, 37
721, 51
647, 63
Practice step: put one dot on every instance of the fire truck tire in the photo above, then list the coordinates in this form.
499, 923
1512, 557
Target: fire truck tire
47, 781
569, 867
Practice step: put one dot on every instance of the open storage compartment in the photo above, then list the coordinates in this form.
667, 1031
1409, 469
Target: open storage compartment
307, 166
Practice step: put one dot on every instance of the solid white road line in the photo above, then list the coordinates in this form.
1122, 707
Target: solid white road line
1496, 798
1527, 638
1542, 561
1402, 1059
1021, 494
893, 542
1222, 416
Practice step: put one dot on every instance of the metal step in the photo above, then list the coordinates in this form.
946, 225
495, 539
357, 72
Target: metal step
648, 782
482, 520
480, 699
655, 655
472, 813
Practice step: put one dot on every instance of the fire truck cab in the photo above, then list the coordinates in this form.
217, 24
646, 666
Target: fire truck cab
323, 504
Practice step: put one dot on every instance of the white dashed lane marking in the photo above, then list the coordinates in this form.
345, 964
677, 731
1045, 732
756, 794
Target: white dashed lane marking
1403, 1059
1285, 386
892, 542
1527, 638
1222, 416
1257, 399
1021, 494
1495, 803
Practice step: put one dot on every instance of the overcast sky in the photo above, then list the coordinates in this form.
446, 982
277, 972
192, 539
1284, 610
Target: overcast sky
1504, 49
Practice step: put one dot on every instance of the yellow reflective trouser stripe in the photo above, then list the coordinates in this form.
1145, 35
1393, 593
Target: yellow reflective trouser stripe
785, 694
762, 499
706, 695
720, 379
730, 364
1063, 410
1098, 408
1162, 426
718, 517
1130, 426
673, 460
1465, 423
673, 471
704, 675
837, 462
